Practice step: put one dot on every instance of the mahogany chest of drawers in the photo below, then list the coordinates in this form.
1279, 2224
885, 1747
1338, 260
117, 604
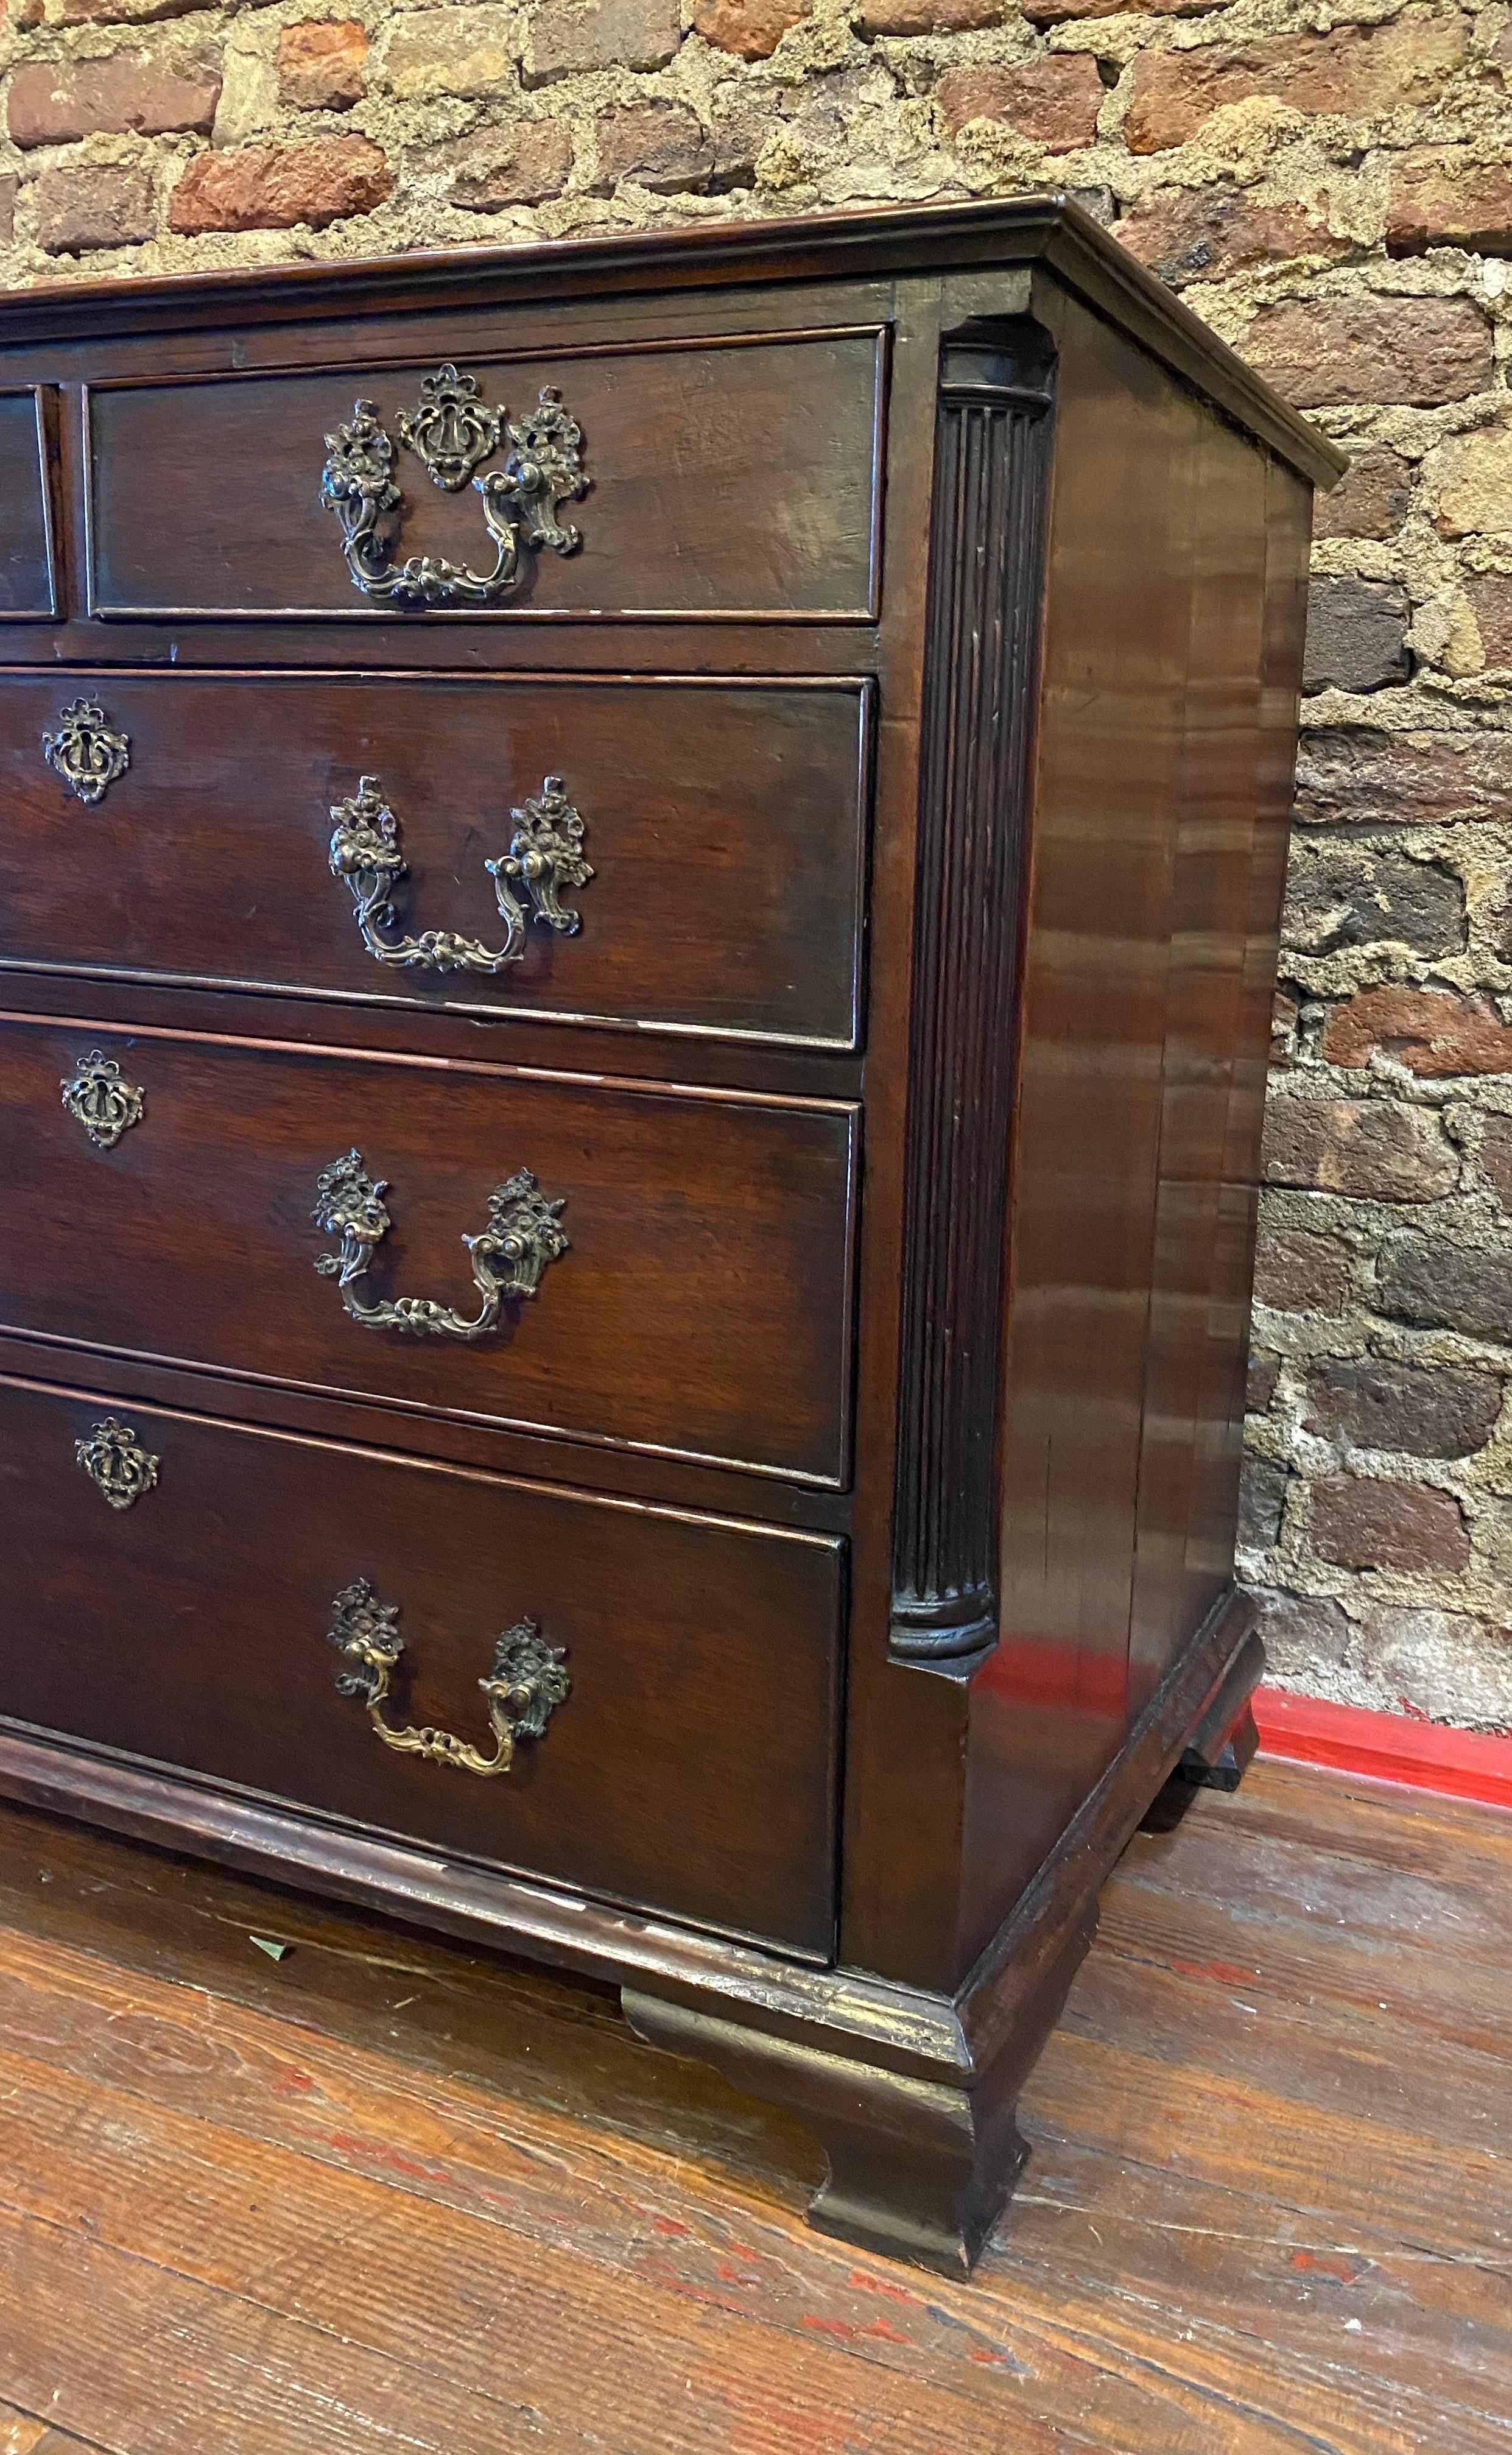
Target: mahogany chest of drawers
638, 887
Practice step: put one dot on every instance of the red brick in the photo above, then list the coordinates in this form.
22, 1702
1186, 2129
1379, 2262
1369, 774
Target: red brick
659, 145
1370, 500
1362, 1524
495, 167
1355, 69
1055, 101
751, 29
574, 37
1378, 1150
928, 16
88, 205
1446, 1411
1438, 1286
1490, 599
1295, 1272
1335, 352
1205, 234
1440, 196
127, 96
320, 65
1430, 1031
1260, 1382
277, 187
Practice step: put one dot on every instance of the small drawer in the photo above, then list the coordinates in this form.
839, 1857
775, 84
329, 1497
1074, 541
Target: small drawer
730, 477
722, 825
376, 1226
659, 1724
28, 589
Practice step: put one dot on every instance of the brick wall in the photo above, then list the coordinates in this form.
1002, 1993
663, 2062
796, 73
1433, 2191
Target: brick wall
1330, 186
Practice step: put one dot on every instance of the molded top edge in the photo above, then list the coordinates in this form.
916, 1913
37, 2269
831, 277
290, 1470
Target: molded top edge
894, 241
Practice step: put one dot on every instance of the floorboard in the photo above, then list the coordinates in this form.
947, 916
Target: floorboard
385, 2194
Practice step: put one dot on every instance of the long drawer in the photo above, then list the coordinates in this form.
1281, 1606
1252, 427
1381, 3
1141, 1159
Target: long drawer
729, 477
640, 1265
658, 1724
722, 825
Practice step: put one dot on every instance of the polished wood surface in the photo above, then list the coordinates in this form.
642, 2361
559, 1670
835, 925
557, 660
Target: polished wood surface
27, 576
728, 479
727, 894
193, 1627
704, 1230
386, 2192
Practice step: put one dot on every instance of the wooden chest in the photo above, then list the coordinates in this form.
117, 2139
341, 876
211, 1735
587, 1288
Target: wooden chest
638, 888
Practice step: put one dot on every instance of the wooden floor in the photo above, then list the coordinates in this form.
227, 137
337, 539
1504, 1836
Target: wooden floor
381, 2194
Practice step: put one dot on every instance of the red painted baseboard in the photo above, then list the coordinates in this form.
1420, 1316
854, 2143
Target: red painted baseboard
1388, 1747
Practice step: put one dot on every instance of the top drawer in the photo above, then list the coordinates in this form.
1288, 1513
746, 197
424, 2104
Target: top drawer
726, 479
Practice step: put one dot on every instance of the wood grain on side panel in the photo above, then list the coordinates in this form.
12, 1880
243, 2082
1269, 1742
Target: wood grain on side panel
1050, 1705
1193, 1333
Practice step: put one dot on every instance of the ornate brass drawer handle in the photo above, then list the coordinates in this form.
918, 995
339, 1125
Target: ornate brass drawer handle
522, 1235
116, 1464
88, 751
524, 1688
543, 860
450, 434
99, 1096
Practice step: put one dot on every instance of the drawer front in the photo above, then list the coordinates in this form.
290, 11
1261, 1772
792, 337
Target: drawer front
688, 1766
714, 479
701, 1307
28, 577
722, 824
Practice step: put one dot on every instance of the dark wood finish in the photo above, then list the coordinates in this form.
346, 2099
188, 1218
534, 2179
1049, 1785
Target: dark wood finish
729, 480
702, 1228
28, 577
196, 1621
726, 897
1248, 2132
981, 668
1001, 1391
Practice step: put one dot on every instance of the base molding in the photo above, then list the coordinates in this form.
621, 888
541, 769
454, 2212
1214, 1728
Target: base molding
911, 2094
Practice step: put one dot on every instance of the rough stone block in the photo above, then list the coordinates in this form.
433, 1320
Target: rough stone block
1263, 1487
574, 37
1433, 1032
8, 207
1357, 634
1420, 1412
1490, 602
1359, 1523
89, 205
1295, 1272
321, 65
1207, 233
1340, 895
1495, 1156
1259, 1381
469, 52
129, 94
1299, 1632
659, 145
1440, 196
276, 187
1339, 351
1355, 69
1054, 101
1370, 500
1378, 1150
1468, 481
1438, 1286
1415, 780
492, 169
